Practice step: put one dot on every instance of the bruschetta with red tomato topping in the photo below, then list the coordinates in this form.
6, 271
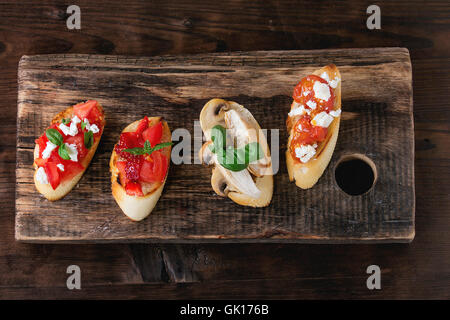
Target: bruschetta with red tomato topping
139, 165
64, 151
313, 125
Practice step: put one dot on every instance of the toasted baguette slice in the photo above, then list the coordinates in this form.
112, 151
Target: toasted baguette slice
307, 174
261, 172
64, 187
138, 208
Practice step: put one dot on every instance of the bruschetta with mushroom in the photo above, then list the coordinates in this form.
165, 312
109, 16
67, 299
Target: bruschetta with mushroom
313, 125
64, 151
237, 149
139, 165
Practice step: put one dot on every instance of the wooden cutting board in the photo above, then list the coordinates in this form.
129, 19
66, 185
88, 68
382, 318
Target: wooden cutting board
377, 123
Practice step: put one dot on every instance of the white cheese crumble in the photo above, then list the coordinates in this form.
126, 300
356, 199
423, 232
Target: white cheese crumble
299, 127
321, 91
333, 83
322, 119
73, 129
41, 176
335, 113
60, 166
311, 104
65, 129
305, 93
305, 152
72, 151
76, 120
48, 150
87, 124
297, 110
94, 128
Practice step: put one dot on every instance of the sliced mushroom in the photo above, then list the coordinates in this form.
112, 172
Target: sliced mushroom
205, 155
244, 129
219, 183
213, 114
240, 181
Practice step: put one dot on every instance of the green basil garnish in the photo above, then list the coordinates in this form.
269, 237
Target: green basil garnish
147, 149
83, 125
63, 153
88, 139
231, 158
66, 121
54, 136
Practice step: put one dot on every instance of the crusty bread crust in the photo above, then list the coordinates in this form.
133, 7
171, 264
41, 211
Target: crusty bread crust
307, 174
64, 187
134, 207
265, 182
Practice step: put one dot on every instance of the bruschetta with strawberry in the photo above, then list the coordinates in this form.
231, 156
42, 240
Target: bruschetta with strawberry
313, 125
139, 165
64, 151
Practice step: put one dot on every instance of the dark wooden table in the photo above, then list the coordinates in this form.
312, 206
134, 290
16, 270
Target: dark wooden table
417, 270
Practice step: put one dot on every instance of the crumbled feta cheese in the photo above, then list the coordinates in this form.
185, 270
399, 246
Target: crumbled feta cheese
76, 120
299, 127
48, 150
94, 128
65, 129
305, 153
335, 113
298, 110
321, 91
87, 125
334, 83
60, 166
41, 176
305, 93
311, 104
322, 119
73, 130
72, 151
325, 77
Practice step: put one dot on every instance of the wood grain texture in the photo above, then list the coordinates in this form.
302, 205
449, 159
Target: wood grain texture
419, 270
376, 122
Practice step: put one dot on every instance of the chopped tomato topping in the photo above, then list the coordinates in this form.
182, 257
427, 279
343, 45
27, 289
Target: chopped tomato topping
304, 92
78, 140
133, 189
52, 174
133, 167
87, 110
153, 134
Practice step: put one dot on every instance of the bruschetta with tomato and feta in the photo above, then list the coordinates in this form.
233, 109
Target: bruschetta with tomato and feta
64, 151
139, 165
237, 149
313, 125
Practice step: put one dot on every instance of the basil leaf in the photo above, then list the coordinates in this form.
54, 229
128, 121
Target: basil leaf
62, 151
54, 136
147, 146
136, 151
66, 121
219, 137
250, 152
160, 146
88, 139
83, 125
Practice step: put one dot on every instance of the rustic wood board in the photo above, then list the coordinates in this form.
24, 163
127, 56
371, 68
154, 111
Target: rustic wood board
376, 122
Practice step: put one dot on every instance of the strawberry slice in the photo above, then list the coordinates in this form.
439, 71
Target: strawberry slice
153, 134
134, 189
